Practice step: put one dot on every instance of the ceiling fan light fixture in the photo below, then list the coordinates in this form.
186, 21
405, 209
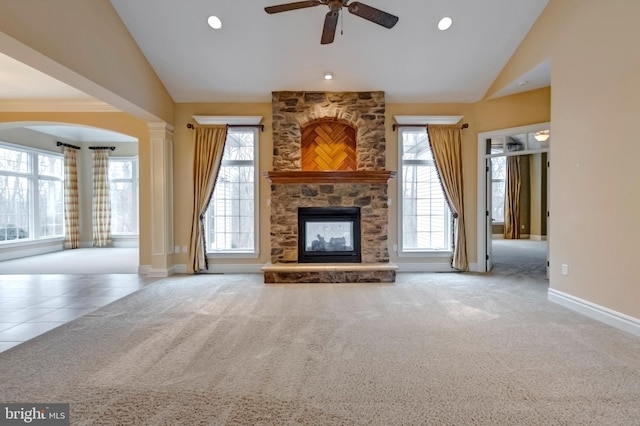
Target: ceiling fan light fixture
328, 76
214, 22
445, 23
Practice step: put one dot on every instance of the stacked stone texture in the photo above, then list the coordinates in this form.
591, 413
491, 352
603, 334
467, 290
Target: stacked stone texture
373, 203
365, 111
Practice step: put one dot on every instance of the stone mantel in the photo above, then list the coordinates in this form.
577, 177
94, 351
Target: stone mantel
362, 176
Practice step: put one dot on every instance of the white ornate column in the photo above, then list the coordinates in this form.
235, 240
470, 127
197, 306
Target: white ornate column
161, 136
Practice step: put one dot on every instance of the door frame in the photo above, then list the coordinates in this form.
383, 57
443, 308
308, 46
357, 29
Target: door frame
483, 234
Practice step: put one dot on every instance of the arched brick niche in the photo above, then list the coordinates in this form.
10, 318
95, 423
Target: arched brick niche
328, 144
363, 111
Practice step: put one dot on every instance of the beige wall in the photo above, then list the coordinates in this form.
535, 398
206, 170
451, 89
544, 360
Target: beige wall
183, 151
526, 108
594, 191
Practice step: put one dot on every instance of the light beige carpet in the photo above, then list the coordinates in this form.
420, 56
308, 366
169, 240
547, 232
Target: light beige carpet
431, 349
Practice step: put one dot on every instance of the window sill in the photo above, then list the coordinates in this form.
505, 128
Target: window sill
232, 255
431, 253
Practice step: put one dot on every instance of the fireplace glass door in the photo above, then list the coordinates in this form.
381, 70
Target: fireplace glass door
330, 234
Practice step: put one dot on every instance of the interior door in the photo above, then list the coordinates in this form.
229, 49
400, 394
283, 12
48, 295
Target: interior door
488, 222
548, 214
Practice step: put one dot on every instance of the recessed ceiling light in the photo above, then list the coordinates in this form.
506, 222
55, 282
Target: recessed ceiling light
214, 22
445, 23
328, 76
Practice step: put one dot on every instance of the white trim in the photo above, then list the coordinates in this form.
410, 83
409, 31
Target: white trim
481, 217
227, 119
596, 312
425, 267
538, 237
156, 273
432, 254
125, 242
229, 268
180, 268
19, 250
426, 119
48, 105
474, 267
399, 182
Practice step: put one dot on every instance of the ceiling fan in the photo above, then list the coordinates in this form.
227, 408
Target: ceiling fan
335, 6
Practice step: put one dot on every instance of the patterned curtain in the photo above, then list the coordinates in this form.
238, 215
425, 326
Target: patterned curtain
101, 199
71, 207
446, 146
209, 147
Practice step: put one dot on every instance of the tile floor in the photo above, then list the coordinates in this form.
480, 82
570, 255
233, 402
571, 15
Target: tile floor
34, 304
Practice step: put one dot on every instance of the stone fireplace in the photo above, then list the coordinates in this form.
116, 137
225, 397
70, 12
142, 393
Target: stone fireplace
329, 152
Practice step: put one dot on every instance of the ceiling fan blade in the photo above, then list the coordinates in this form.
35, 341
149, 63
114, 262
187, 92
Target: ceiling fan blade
292, 6
329, 29
372, 14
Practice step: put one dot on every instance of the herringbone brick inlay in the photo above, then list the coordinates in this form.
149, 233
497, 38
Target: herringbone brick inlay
328, 145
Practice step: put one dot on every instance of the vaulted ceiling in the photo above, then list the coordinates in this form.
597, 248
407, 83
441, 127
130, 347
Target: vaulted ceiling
255, 53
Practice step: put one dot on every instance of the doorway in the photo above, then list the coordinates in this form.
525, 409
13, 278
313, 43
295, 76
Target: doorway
513, 181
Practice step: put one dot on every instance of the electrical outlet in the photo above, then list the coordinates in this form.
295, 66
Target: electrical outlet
176, 249
565, 269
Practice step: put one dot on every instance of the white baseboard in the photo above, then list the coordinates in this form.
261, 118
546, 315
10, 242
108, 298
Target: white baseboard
475, 267
180, 268
424, 267
17, 251
596, 312
148, 271
238, 268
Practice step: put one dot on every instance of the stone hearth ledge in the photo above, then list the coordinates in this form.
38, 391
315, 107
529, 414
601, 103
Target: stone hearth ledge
282, 273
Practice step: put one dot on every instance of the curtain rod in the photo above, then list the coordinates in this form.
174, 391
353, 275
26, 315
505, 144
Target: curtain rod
67, 145
258, 126
112, 148
395, 126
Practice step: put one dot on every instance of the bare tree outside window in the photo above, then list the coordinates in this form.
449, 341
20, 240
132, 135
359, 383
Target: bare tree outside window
426, 218
123, 188
31, 194
230, 218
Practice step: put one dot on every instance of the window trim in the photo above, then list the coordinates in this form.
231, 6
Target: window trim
243, 253
136, 189
424, 253
34, 177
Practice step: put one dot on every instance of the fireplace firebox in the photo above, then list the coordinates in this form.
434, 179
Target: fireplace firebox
329, 234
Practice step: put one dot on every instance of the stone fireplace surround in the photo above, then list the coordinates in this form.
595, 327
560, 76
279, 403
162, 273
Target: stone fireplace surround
365, 187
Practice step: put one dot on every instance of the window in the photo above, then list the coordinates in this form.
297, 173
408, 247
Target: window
425, 217
498, 185
123, 186
31, 194
230, 221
